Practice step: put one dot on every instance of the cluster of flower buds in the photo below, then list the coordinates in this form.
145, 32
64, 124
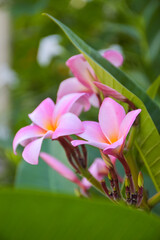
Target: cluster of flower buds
60, 120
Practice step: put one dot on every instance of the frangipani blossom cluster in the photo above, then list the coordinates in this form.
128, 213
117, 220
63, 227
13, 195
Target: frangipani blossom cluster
85, 80
59, 121
111, 131
49, 120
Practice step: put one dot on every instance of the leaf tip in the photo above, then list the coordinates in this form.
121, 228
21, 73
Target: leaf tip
44, 14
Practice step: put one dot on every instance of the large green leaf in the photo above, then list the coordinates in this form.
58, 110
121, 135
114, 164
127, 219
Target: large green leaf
148, 136
44, 177
38, 215
153, 88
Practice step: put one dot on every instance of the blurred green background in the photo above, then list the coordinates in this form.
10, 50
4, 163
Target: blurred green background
131, 26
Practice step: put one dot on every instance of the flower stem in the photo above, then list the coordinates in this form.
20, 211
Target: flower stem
127, 171
103, 184
85, 173
140, 196
115, 185
133, 167
130, 156
69, 155
84, 151
154, 200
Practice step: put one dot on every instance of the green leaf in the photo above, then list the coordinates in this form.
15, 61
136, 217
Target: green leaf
153, 89
148, 136
42, 176
155, 47
123, 29
37, 215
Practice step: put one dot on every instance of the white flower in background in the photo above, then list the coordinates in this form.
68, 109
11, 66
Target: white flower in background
7, 75
49, 47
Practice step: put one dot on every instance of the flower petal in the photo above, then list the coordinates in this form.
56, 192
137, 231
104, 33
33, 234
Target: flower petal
65, 104
32, 150
115, 148
111, 115
93, 135
127, 122
27, 133
42, 115
68, 124
70, 85
92, 132
98, 169
77, 109
82, 71
81, 105
92, 143
114, 57
109, 92
61, 168
94, 100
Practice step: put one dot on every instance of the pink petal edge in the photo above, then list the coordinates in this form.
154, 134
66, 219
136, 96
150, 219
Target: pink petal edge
42, 115
82, 70
114, 57
61, 169
27, 133
32, 150
92, 132
92, 143
109, 92
111, 115
70, 85
128, 122
65, 104
68, 124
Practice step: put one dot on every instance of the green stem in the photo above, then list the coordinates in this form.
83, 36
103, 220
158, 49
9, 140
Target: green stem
133, 164
85, 173
129, 156
127, 170
154, 200
133, 167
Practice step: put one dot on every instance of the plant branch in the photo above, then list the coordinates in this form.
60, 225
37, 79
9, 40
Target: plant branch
154, 200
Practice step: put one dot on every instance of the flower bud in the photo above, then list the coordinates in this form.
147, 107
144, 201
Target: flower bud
140, 180
106, 160
110, 176
127, 182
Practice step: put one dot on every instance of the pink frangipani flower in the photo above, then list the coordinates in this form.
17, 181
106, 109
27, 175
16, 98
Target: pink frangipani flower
62, 169
83, 80
49, 121
111, 131
82, 70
